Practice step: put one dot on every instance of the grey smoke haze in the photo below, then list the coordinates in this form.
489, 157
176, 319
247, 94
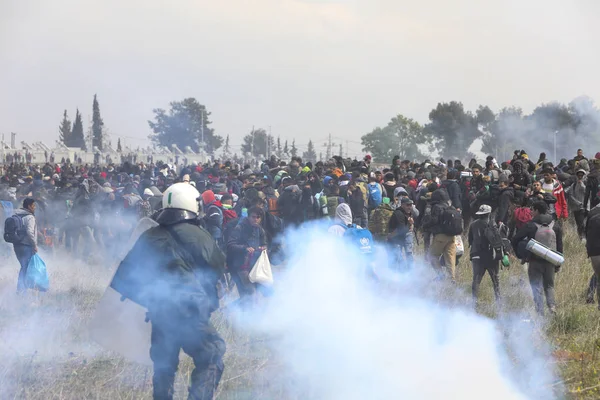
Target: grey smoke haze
344, 339
306, 68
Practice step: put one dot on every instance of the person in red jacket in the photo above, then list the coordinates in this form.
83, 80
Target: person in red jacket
551, 185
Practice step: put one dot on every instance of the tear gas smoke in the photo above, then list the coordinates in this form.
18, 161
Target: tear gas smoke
345, 338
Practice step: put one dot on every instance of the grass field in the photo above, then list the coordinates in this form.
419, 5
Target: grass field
47, 353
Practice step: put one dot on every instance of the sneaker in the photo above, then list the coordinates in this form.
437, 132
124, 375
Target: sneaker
552, 310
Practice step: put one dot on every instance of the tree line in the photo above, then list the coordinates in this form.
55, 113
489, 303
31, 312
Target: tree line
72, 134
451, 130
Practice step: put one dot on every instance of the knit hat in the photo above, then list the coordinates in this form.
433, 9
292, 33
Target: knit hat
597, 156
386, 200
208, 197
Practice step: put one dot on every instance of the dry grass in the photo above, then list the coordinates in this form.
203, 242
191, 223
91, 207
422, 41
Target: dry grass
47, 353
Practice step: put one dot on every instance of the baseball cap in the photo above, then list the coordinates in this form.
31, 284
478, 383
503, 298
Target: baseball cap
484, 209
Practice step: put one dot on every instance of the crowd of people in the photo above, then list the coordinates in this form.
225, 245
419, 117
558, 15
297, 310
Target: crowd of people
232, 213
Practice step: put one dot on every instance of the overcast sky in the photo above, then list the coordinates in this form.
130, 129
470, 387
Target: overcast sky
305, 68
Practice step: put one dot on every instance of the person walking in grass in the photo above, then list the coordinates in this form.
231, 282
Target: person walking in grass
541, 273
21, 231
482, 253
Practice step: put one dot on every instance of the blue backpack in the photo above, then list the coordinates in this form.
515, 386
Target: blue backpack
375, 195
14, 231
362, 239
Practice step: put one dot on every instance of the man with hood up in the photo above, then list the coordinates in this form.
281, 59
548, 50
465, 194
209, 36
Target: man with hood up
520, 179
343, 216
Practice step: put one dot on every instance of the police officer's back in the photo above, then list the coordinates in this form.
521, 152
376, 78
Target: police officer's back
173, 270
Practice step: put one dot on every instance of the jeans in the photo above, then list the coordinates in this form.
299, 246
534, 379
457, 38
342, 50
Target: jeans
404, 252
541, 278
24, 253
493, 269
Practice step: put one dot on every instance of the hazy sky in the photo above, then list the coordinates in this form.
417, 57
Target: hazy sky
305, 68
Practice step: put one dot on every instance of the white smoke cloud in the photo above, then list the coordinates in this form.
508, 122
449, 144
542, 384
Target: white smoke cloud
345, 338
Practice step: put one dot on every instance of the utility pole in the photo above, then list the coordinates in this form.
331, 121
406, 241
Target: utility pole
346, 149
329, 145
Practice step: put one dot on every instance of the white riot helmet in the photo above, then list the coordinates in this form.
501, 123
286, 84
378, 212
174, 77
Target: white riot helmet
181, 196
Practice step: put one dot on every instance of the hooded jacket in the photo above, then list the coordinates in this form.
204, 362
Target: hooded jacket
506, 198
30, 225
576, 193
439, 203
591, 190
343, 216
243, 236
479, 245
453, 190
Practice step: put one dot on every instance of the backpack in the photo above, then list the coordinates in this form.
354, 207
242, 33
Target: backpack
14, 230
322, 199
545, 235
365, 192
451, 221
380, 220
375, 195
522, 216
272, 203
360, 238
130, 201
332, 203
493, 236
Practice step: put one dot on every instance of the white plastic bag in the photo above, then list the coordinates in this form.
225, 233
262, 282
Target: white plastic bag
460, 247
261, 272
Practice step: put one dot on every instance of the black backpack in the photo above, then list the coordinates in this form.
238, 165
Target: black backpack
14, 231
493, 236
451, 221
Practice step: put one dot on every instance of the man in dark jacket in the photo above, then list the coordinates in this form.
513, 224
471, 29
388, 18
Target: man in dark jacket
592, 233
441, 244
482, 253
453, 189
401, 230
245, 245
173, 270
541, 272
505, 199
592, 187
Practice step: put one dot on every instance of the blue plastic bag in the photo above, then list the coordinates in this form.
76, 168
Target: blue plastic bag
37, 276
